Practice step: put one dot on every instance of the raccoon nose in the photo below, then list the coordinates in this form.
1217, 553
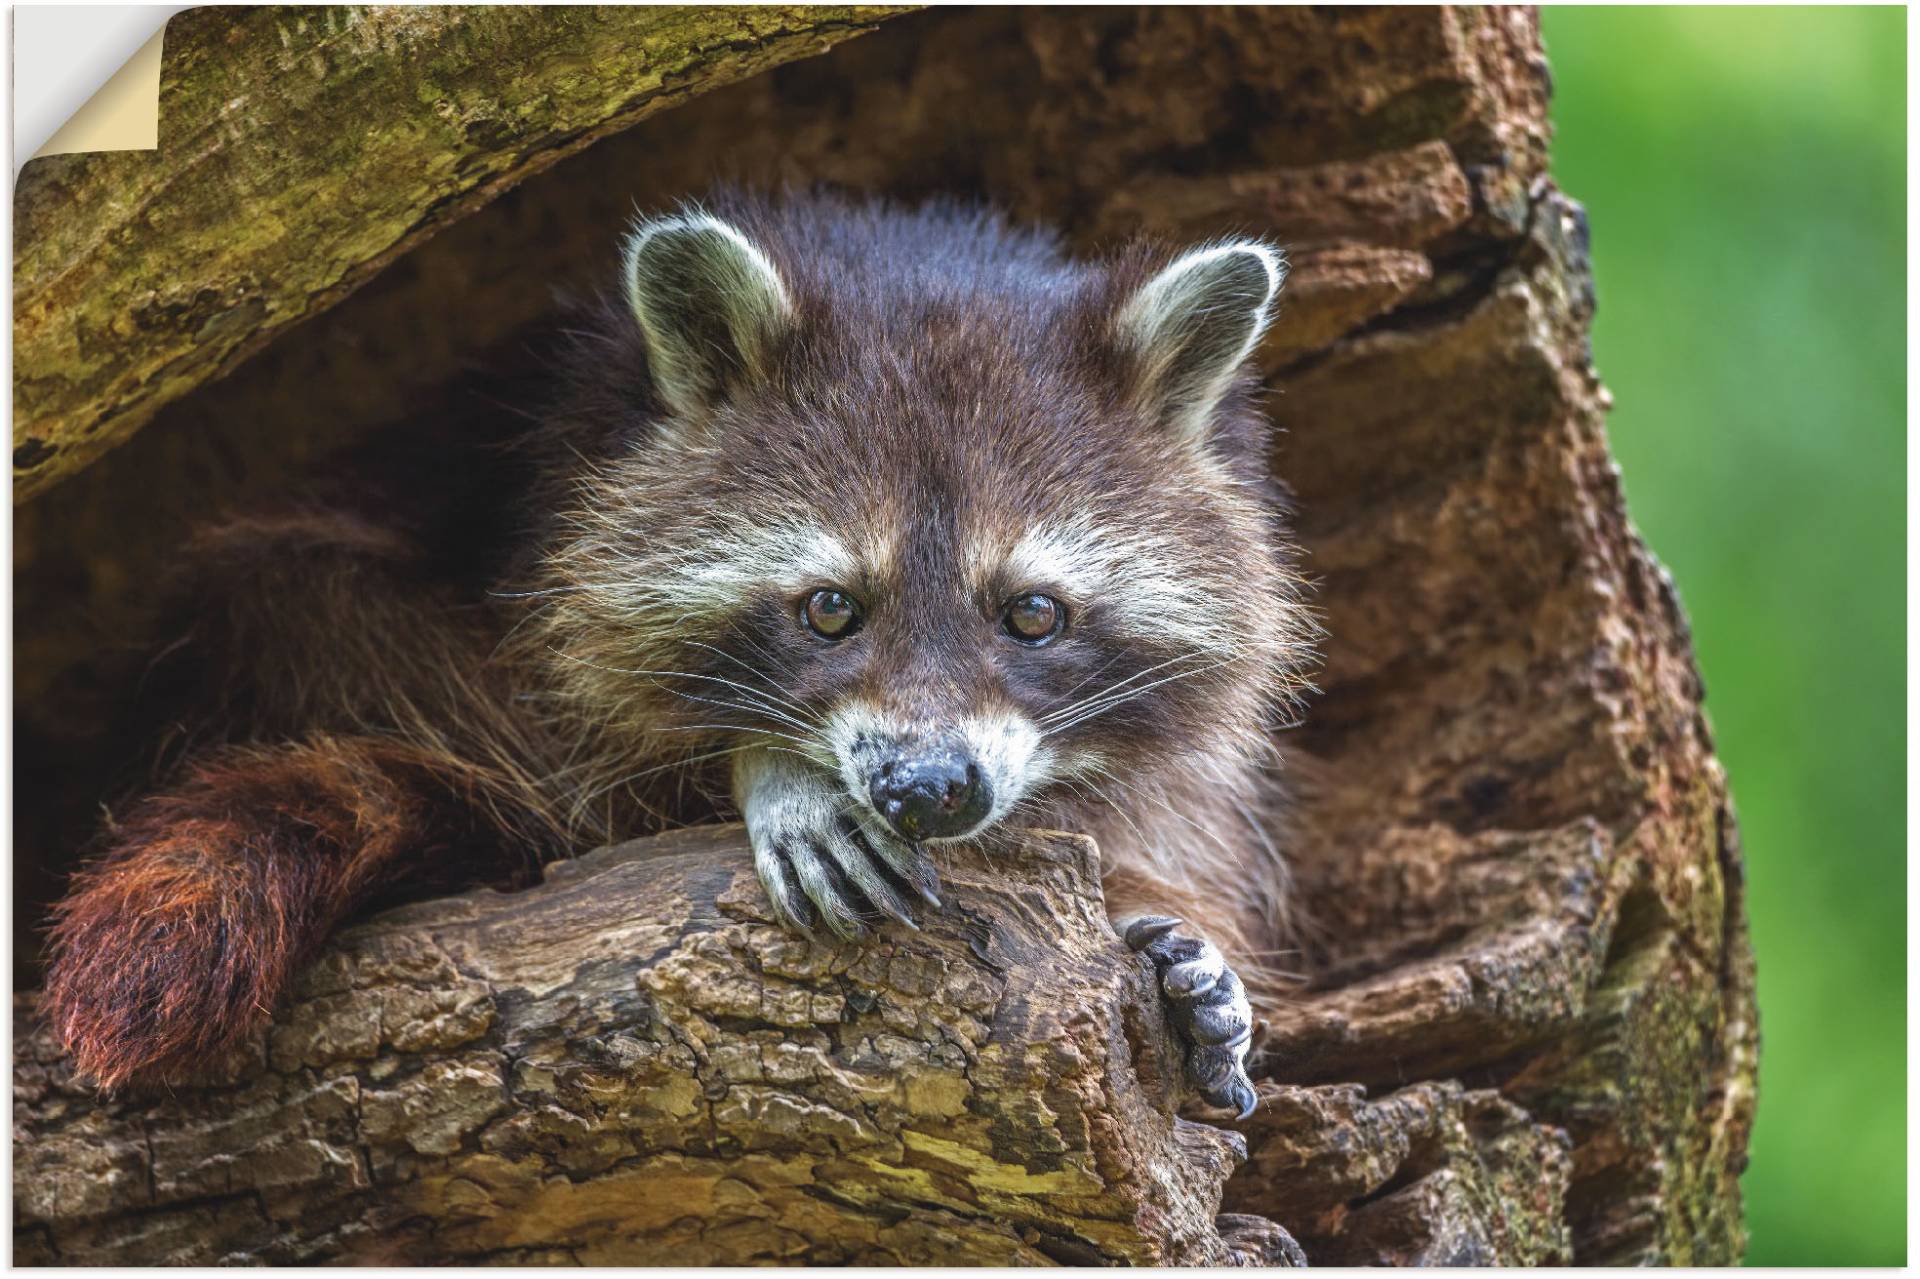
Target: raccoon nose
931, 796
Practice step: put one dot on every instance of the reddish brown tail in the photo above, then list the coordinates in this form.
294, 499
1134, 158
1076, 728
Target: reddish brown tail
175, 945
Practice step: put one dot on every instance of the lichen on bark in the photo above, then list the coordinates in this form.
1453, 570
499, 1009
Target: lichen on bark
302, 149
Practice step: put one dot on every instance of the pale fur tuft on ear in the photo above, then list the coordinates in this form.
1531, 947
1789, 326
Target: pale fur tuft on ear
709, 303
1193, 325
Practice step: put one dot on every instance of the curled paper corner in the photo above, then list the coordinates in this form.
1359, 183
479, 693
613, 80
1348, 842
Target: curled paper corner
57, 61
122, 115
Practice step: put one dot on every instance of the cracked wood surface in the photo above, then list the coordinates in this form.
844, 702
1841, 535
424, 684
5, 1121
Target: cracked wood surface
1527, 1030
303, 149
631, 1064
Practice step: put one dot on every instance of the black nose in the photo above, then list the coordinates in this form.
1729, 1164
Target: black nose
932, 795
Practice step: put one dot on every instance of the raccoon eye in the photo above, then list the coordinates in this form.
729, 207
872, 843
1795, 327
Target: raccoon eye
1033, 619
830, 614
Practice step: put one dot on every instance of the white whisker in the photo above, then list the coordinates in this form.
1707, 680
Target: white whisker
1130, 695
1065, 711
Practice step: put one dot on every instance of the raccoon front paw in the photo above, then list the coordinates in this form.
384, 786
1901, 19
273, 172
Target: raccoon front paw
832, 867
1207, 1005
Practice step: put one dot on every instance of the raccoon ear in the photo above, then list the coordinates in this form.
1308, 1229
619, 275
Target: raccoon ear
1193, 325
709, 303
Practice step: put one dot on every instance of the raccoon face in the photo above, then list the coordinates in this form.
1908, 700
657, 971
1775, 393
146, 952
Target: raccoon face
967, 544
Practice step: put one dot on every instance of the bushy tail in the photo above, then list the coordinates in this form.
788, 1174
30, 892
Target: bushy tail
173, 947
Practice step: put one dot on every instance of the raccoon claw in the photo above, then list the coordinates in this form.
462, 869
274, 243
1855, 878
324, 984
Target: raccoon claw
845, 876
1207, 1005
1149, 928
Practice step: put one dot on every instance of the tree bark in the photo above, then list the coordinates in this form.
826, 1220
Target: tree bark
632, 1064
302, 149
1526, 1031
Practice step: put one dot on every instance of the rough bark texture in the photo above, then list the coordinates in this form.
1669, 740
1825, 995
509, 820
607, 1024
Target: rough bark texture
632, 1064
1527, 1031
302, 149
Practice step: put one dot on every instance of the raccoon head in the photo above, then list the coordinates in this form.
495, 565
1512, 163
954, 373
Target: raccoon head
970, 525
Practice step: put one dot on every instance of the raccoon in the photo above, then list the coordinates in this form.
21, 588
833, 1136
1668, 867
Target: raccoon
877, 527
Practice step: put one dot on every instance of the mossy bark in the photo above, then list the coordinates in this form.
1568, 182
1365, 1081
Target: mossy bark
301, 150
1527, 1031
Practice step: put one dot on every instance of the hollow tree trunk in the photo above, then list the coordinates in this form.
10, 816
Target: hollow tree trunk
1527, 1028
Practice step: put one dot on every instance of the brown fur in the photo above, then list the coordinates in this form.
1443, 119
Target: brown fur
184, 934
430, 677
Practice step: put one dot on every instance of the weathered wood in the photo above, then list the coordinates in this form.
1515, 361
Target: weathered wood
1528, 1028
632, 1064
301, 150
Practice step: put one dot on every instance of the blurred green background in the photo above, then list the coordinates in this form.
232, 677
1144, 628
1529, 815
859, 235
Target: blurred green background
1745, 175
